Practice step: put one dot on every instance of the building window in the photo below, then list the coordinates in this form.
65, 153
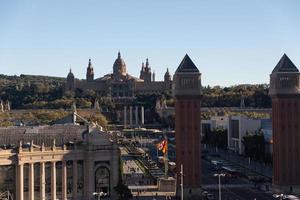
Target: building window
102, 180
235, 129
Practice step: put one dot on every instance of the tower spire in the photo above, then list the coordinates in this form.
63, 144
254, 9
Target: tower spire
147, 62
119, 54
143, 66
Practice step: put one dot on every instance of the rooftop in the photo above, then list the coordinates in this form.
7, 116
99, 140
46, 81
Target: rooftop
187, 65
285, 65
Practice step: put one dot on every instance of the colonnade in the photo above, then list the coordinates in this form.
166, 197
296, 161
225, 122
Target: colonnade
31, 183
136, 116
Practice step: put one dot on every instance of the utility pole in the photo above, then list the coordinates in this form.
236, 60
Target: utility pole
181, 180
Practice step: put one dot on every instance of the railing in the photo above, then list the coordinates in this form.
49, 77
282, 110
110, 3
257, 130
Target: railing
6, 196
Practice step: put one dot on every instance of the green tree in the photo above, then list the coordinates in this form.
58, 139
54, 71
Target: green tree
255, 146
123, 191
216, 138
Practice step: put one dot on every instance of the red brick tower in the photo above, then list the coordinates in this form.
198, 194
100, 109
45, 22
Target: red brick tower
285, 94
188, 94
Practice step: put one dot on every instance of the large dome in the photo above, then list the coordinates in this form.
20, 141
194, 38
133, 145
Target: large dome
119, 67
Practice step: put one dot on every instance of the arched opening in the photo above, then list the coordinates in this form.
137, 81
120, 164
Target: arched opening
102, 180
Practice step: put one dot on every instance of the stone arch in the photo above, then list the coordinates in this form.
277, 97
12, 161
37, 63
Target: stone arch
103, 178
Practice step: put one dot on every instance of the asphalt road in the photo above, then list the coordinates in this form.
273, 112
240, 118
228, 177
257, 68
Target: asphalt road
232, 188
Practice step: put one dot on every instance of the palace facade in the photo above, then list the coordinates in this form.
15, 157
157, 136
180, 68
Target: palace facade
120, 84
58, 162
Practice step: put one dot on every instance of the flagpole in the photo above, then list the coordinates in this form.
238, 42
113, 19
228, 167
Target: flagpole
166, 156
157, 154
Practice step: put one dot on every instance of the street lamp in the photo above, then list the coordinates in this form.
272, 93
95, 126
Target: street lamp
219, 175
99, 194
280, 196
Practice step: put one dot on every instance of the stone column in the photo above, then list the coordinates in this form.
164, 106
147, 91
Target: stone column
114, 171
75, 177
42, 181
17, 181
136, 116
21, 181
89, 176
31, 181
142, 115
130, 115
53, 180
64, 180
125, 116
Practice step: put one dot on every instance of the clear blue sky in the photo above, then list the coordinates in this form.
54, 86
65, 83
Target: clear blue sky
231, 41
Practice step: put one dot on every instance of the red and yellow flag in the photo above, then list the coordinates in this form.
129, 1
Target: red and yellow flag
163, 146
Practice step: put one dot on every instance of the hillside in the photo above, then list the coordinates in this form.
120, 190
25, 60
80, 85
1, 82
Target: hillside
32, 92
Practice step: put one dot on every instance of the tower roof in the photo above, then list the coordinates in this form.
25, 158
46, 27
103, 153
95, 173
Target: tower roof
167, 72
285, 65
187, 65
70, 74
90, 66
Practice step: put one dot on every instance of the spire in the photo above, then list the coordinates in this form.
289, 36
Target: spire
285, 65
147, 62
167, 75
119, 54
90, 63
143, 66
187, 65
70, 73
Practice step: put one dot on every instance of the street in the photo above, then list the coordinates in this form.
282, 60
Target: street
236, 188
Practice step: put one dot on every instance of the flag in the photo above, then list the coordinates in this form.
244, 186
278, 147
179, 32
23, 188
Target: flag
163, 146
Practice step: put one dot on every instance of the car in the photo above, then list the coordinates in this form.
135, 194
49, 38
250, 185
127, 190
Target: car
210, 197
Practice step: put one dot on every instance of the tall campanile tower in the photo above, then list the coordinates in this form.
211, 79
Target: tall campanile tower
285, 94
188, 94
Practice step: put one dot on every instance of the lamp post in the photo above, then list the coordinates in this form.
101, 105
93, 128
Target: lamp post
99, 194
219, 175
280, 196
181, 181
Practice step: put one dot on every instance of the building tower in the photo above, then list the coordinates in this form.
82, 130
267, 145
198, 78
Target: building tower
168, 79
285, 94
188, 95
142, 71
153, 76
70, 85
145, 73
90, 72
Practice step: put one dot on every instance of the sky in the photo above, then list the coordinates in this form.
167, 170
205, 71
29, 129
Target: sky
230, 41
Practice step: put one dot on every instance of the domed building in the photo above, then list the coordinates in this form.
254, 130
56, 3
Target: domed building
119, 68
120, 85
70, 81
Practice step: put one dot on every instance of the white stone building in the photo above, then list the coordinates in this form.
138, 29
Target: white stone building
58, 162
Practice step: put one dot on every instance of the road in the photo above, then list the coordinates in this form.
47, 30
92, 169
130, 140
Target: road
232, 188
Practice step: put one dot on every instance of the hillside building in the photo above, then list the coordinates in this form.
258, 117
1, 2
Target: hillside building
120, 85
